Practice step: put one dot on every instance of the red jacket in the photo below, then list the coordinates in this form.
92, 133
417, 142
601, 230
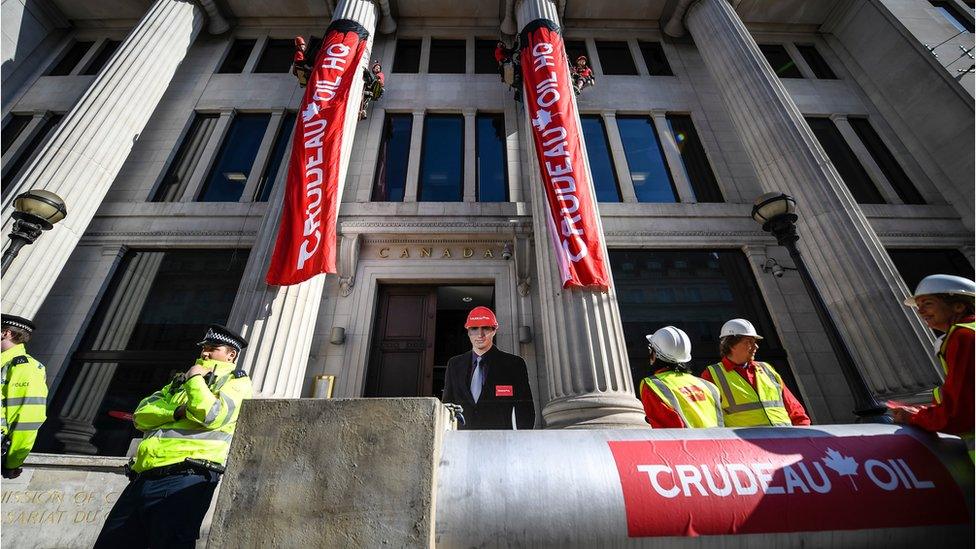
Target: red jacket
793, 407
656, 412
955, 413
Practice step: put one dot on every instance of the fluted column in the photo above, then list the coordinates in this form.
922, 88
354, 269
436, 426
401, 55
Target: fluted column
590, 385
278, 321
850, 267
86, 152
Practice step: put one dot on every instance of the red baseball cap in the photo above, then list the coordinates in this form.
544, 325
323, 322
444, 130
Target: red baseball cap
481, 316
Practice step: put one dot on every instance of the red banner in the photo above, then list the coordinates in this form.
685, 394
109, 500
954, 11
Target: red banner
555, 129
739, 486
306, 244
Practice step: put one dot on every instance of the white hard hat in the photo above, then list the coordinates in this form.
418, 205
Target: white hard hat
671, 344
943, 284
738, 327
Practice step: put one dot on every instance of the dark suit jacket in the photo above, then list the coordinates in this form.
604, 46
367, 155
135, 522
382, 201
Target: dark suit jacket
493, 409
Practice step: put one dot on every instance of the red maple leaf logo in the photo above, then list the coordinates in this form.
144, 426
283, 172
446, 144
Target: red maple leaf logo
842, 465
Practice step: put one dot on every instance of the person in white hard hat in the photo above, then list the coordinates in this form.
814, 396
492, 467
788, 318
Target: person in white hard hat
672, 397
945, 303
753, 393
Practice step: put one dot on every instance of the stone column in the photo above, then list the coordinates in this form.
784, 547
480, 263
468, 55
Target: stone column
850, 267
278, 321
86, 152
590, 385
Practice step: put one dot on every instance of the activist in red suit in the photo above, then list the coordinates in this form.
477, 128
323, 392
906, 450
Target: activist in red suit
486, 382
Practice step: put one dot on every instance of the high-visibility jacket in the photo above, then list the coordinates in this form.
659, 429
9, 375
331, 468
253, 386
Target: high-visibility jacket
937, 392
745, 406
208, 426
24, 402
696, 401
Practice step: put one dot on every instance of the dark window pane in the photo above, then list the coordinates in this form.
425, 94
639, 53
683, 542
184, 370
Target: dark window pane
886, 161
96, 64
693, 158
12, 130
654, 58
850, 170
441, 165
914, 265
601, 163
233, 165
30, 150
186, 159
780, 60
446, 56
70, 59
236, 58
574, 49
952, 15
492, 168
816, 61
484, 57
652, 180
615, 58
696, 291
407, 56
276, 57
391, 165
270, 174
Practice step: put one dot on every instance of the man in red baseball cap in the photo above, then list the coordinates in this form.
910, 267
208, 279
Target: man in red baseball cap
492, 386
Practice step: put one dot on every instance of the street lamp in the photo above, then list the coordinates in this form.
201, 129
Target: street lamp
775, 212
36, 211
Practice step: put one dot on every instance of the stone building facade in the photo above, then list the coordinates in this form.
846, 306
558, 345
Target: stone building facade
165, 126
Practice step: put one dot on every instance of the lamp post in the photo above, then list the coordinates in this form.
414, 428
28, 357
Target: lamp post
36, 211
775, 212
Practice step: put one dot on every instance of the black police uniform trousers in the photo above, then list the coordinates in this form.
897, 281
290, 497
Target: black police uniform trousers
159, 512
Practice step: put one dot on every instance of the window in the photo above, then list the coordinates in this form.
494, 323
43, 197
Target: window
601, 163
71, 59
12, 130
841, 155
391, 164
615, 58
696, 291
13, 169
442, 159
276, 57
886, 161
952, 15
145, 330
484, 57
270, 175
187, 157
99, 61
446, 56
780, 60
652, 181
236, 158
574, 49
654, 58
816, 61
407, 56
240, 51
693, 159
915, 264
492, 166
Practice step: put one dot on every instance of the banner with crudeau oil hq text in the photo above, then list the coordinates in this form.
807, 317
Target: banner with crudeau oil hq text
306, 243
555, 129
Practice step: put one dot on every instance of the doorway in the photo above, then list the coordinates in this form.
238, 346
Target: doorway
417, 329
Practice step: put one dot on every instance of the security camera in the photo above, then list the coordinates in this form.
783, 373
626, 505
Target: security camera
507, 251
771, 266
777, 270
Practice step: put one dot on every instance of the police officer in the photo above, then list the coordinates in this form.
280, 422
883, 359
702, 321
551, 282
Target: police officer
24, 394
188, 426
672, 397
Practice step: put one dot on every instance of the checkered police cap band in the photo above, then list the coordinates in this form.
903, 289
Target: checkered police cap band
18, 323
217, 337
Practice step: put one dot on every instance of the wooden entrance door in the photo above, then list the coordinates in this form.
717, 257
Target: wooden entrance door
402, 359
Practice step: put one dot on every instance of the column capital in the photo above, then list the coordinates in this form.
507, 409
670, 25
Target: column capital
216, 22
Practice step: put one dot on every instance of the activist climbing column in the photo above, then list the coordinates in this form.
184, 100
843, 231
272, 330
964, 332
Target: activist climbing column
590, 385
86, 152
277, 306
850, 267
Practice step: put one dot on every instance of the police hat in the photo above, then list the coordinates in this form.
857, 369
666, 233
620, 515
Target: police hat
221, 335
15, 321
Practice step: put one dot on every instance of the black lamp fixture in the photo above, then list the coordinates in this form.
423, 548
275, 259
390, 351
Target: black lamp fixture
776, 212
35, 211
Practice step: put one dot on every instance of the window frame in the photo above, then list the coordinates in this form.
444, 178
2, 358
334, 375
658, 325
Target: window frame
423, 150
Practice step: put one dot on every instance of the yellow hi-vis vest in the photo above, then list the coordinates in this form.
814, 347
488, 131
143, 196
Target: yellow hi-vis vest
695, 400
745, 406
937, 392
206, 430
24, 402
